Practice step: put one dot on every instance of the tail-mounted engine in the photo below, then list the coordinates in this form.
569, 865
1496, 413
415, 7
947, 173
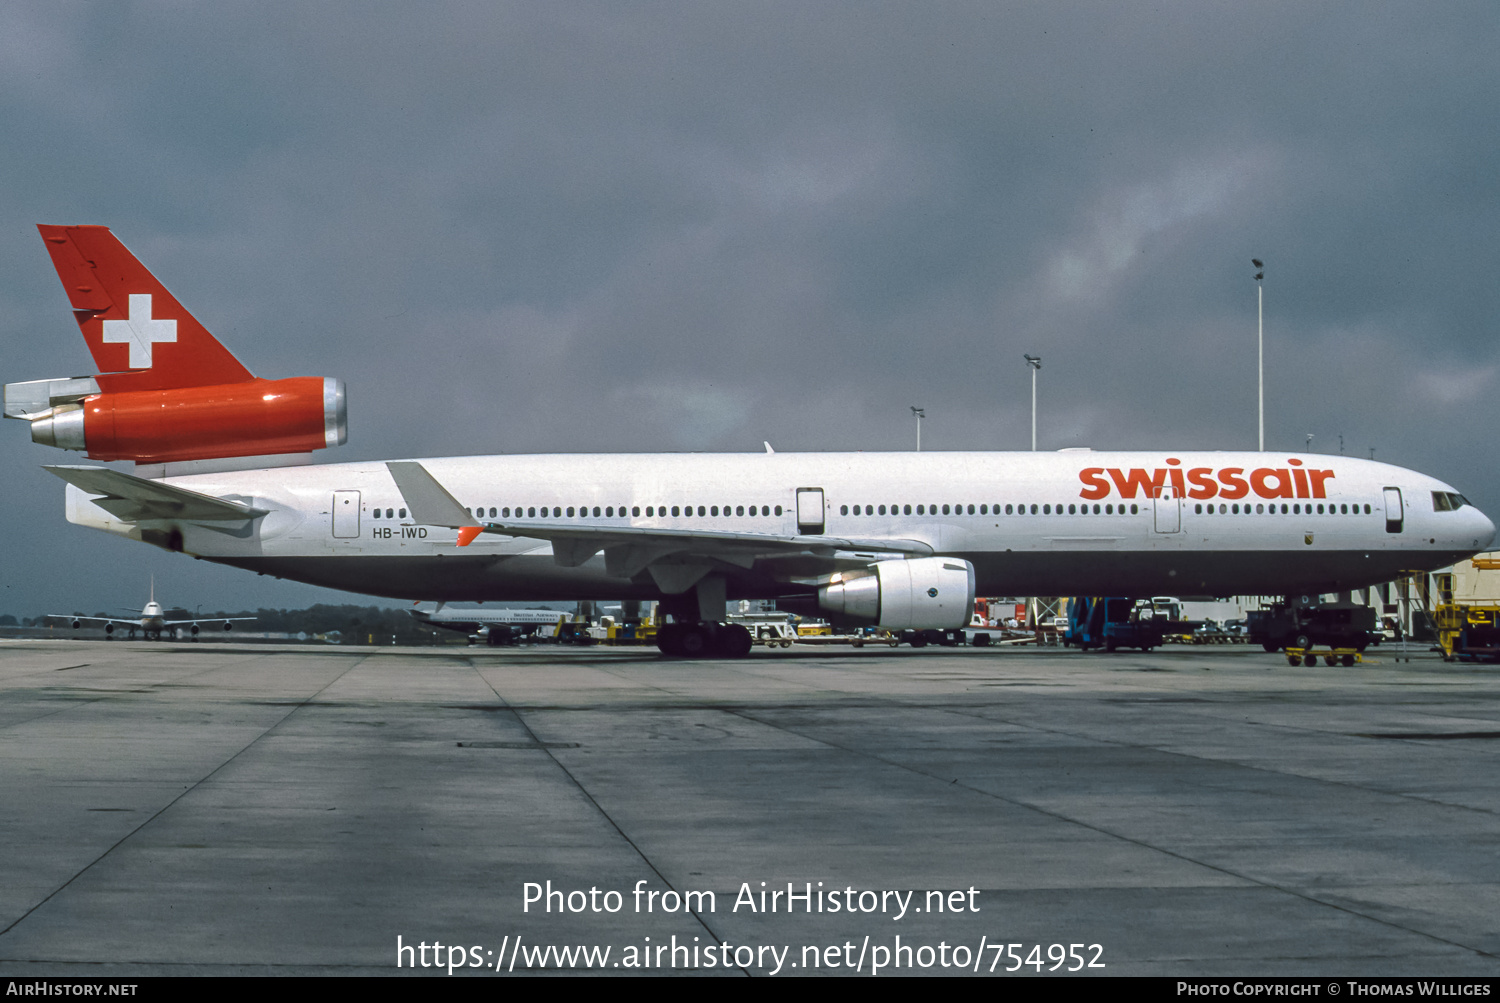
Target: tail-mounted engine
167, 390
251, 418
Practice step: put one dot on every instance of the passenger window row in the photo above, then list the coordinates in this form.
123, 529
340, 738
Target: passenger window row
609, 511
1011, 509
1343, 508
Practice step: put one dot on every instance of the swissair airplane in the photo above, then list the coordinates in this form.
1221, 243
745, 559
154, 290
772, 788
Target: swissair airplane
151, 622
223, 472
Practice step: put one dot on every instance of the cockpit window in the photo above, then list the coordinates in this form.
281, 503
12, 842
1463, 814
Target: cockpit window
1448, 501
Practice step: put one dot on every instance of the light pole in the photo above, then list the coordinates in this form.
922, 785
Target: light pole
1260, 349
1035, 362
920, 413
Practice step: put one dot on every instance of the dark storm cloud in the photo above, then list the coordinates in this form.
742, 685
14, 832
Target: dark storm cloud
688, 226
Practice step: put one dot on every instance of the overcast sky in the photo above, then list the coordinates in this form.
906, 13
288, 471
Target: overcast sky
546, 227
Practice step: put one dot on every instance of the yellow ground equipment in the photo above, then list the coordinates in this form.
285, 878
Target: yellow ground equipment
1332, 656
1467, 611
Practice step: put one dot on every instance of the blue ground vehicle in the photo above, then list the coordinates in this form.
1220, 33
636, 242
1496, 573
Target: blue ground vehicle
1106, 622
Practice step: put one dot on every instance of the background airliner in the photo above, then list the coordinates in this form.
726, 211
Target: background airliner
497, 626
151, 622
903, 540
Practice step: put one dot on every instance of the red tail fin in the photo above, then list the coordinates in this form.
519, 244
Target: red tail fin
140, 336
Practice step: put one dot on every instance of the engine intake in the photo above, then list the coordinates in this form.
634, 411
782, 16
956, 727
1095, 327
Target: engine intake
922, 594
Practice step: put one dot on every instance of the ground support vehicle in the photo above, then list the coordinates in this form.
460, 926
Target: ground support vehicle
772, 634
627, 633
771, 629
1107, 622
573, 632
875, 637
1211, 632
1298, 625
922, 638
1333, 656
1468, 633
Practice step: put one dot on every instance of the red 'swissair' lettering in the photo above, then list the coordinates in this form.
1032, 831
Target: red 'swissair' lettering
1292, 481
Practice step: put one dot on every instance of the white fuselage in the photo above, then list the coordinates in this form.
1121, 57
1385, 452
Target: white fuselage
153, 617
1074, 522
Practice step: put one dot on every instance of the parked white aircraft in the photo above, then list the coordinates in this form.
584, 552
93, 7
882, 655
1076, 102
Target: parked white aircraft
903, 540
497, 626
150, 623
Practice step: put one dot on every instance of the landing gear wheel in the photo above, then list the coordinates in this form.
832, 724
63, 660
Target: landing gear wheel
695, 642
733, 641
1270, 646
1301, 641
919, 640
669, 639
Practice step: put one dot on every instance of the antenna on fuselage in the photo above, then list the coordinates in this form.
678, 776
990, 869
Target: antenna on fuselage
1035, 362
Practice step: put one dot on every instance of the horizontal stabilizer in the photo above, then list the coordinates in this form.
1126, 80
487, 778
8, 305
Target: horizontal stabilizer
131, 499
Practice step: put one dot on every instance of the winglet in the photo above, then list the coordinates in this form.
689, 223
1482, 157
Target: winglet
430, 502
768, 447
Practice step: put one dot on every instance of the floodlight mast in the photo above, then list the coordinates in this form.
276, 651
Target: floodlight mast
1260, 350
920, 413
1035, 362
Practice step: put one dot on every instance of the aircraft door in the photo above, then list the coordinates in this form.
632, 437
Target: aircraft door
810, 511
1168, 510
346, 514
1394, 517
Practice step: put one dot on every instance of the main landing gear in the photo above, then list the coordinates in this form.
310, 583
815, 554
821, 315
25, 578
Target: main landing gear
704, 640
694, 624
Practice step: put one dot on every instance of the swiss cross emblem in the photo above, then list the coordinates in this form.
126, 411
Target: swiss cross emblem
140, 332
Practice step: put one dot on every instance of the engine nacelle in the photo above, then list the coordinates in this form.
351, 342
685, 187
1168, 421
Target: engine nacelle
253, 418
927, 593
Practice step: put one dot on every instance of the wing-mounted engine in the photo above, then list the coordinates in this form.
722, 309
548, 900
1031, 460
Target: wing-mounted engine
921, 594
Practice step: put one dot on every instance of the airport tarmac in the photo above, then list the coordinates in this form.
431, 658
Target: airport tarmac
235, 809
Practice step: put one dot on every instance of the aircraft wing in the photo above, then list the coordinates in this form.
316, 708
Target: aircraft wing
211, 619
134, 621
131, 498
629, 549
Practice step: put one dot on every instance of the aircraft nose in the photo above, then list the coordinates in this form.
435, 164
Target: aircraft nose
1484, 530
